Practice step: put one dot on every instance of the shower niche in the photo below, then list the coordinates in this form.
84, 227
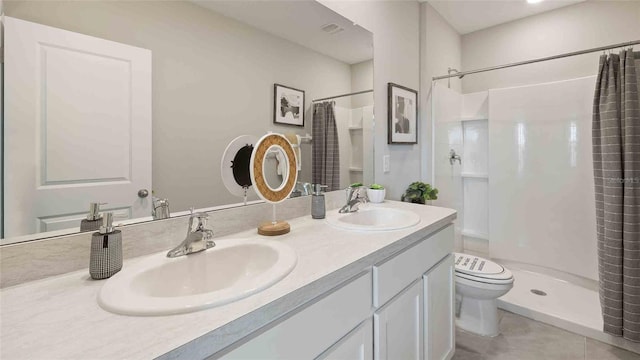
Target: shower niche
475, 169
354, 135
461, 163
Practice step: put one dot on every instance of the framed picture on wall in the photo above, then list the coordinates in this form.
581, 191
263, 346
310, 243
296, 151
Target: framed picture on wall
403, 115
288, 108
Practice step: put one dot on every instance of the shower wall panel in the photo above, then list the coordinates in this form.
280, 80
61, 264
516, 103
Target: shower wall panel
541, 188
447, 135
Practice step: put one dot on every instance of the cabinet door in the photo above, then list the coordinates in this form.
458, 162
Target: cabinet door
439, 325
398, 326
357, 345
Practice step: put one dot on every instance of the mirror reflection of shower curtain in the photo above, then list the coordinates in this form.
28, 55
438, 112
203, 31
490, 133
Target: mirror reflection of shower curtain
325, 153
616, 162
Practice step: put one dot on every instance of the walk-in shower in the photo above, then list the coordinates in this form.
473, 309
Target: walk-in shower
517, 164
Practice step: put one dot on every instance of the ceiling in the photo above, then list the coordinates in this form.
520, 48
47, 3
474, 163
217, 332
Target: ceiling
471, 15
301, 22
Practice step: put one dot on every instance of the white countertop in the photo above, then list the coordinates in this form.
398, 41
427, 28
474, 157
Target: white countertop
59, 318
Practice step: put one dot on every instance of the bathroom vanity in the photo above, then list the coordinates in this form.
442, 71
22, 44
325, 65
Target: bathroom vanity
352, 294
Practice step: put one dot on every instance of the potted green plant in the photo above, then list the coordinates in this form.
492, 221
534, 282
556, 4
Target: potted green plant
376, 193
419, 193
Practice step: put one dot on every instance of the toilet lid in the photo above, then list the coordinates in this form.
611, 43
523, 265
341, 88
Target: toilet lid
475, 266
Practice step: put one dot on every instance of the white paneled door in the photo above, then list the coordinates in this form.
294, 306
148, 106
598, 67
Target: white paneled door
77, 127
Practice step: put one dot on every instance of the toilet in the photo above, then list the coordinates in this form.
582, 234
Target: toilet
479, 282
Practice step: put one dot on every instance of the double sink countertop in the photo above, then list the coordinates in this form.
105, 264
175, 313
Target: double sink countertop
59, 317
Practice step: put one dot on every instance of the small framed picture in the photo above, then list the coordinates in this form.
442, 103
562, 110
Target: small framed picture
403, 115
288, 106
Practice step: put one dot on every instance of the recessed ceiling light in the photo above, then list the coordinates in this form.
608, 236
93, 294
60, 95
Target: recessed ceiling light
534, 1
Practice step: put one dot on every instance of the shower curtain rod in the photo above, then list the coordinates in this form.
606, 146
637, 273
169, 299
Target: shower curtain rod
343, 95
602, 48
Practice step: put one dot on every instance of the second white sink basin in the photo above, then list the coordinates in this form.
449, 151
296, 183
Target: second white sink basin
232, 270
374, 218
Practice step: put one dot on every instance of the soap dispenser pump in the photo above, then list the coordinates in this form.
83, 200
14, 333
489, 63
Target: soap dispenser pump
93, 221
106, 250
318, 209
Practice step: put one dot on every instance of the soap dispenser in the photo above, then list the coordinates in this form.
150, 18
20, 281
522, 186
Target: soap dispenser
106, 250
93, 221
318, 210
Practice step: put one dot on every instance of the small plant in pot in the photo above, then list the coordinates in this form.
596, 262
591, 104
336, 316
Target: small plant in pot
419, 193
376, 193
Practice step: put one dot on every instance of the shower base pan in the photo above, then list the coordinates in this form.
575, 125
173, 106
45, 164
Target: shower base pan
559, 299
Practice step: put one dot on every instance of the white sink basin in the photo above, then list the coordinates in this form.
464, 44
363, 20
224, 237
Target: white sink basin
374, 218
232, 270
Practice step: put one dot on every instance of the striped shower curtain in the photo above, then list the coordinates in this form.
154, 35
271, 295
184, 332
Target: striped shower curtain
616, 160
325, 153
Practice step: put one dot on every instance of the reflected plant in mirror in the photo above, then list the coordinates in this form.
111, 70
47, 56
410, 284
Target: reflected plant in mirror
142, 97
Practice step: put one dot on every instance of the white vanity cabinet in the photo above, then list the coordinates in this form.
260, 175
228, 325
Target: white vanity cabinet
357, 345
400, 308
414, 291
311, 332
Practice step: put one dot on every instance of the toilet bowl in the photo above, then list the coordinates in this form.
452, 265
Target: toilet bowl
479, 282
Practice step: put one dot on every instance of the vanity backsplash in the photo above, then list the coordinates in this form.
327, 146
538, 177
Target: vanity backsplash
29, 261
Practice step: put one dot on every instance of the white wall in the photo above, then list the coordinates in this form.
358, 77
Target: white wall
395, 26
572, 28
362, 79
212, 81
440, 49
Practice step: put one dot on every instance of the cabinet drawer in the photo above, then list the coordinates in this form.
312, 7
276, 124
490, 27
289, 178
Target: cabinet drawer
394, 274
315, 328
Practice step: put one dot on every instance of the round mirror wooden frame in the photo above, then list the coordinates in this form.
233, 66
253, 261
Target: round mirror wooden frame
258, 157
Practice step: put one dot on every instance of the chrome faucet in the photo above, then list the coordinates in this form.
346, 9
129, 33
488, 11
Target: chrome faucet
355, 197
197, 239
160, 209
453, 157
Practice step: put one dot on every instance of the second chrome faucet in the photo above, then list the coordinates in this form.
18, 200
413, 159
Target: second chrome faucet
355, 197
198, 237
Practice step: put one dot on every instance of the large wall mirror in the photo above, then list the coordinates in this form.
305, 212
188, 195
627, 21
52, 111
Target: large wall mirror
148, 104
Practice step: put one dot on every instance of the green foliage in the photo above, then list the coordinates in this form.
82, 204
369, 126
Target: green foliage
419, 192
354, 185
376, 187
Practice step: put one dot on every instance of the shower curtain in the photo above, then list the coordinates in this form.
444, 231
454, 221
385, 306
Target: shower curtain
325, 152
616, 160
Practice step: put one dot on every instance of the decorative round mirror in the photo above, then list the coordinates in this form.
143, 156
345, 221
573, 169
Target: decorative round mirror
274, 175
234, 167
268, 147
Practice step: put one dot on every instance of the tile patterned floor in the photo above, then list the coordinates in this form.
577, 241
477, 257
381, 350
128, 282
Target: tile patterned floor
526, 339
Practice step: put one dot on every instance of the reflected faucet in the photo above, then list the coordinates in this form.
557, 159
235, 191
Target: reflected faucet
355, 197
160, 209
197, 239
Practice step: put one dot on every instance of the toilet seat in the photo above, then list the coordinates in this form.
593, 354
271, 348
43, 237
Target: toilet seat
479, 283
475, 268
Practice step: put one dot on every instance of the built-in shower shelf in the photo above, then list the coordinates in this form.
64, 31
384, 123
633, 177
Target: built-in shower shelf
473, 118
474, 175
474, 234
355, 128
355, 169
